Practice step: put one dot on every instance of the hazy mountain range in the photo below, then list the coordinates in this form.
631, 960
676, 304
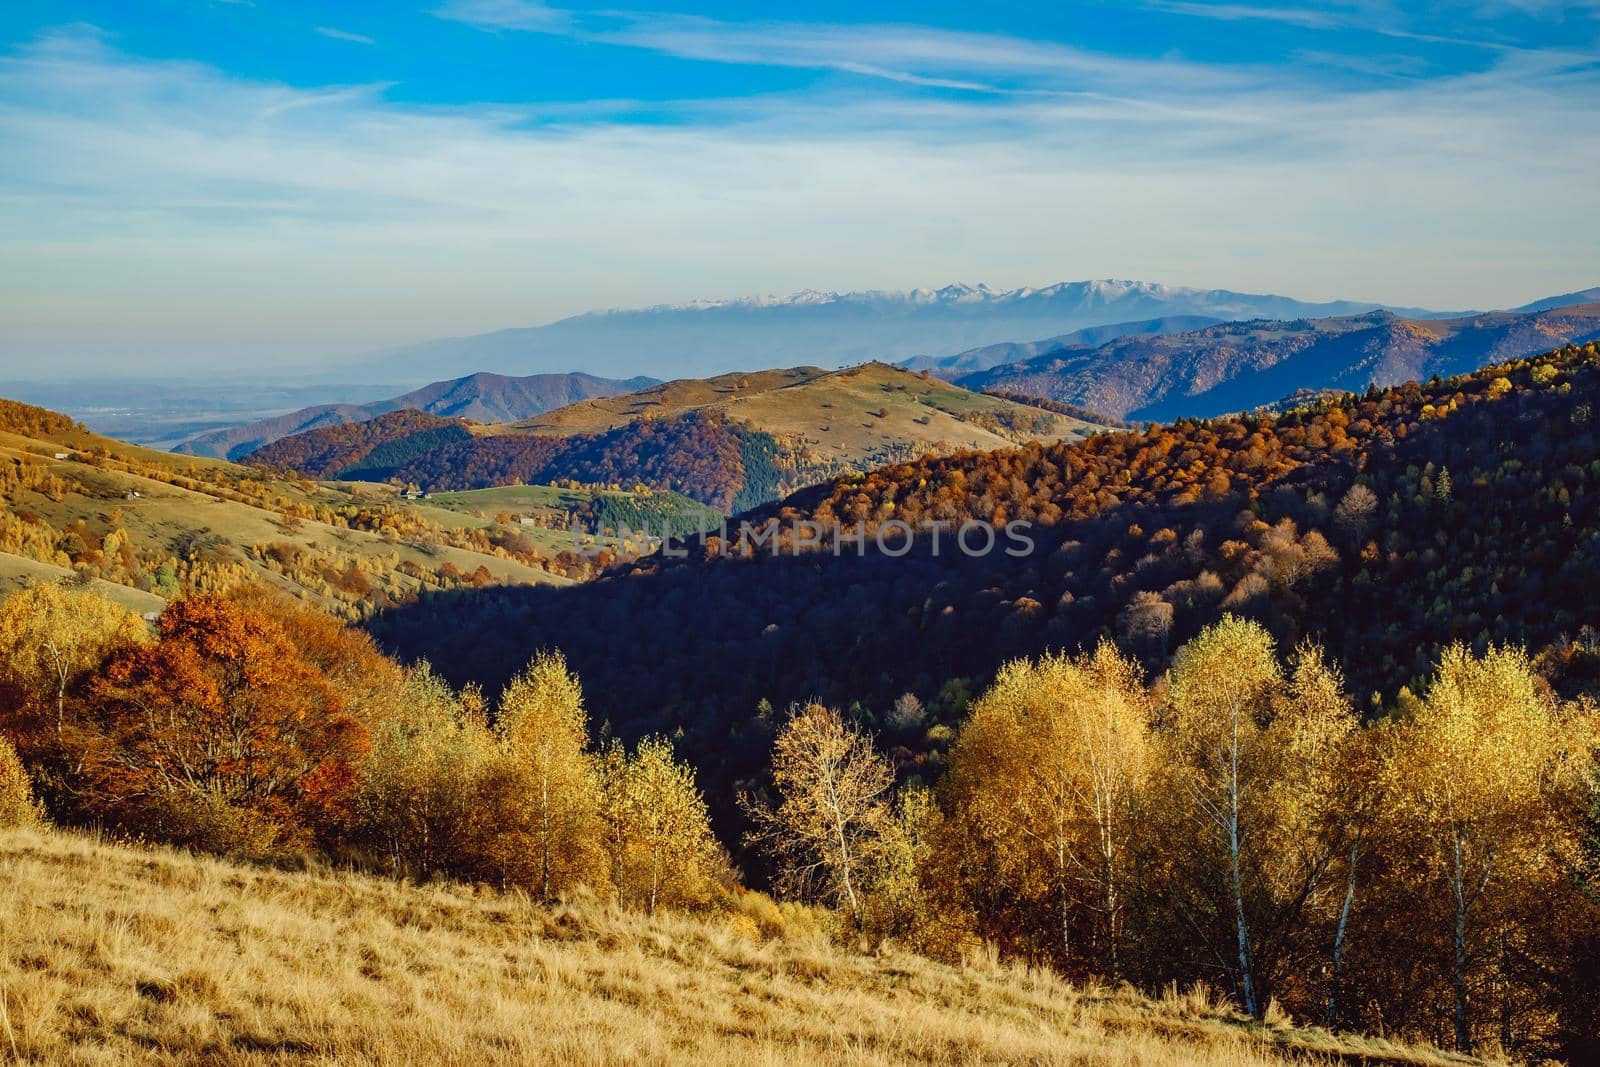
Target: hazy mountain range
706, 338
480, 397
1234, 366
986, 356
920, 327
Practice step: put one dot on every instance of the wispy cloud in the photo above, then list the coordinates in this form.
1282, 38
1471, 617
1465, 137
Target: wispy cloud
345, 35
1380, 18
1314, 18
906, 54
902, 53
503, 14
203, 212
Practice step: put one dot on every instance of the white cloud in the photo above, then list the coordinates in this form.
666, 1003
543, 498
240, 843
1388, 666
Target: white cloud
503, 14
1313, 18
168, 210
907, 54
345, 35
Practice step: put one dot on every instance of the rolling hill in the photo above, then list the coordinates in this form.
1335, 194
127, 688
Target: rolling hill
733, 441
153, 955
1236, 366
1582, 296
480, 397
19, 572
708, 338
155, 524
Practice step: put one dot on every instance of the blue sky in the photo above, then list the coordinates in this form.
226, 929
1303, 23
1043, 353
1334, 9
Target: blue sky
215, 183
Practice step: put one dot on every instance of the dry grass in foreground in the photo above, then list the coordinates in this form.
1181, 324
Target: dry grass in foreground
112, 954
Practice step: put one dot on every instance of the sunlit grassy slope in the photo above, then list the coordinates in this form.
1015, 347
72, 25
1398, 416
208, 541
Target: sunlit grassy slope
17, 572
850, 413
165, 519
111, 954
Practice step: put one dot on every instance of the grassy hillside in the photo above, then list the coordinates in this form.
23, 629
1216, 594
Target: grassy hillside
115, 955
19, 572
731, 442
158, 523
1236, 366
846, 415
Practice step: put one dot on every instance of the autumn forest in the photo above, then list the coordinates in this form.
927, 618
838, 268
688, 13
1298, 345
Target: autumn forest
1298, 707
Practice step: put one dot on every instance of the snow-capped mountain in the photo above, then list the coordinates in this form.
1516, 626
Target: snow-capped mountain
711, 337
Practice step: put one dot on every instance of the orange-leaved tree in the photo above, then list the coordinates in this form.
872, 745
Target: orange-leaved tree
220, 734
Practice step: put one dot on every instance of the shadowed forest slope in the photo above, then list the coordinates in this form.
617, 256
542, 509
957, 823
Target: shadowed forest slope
1385, 526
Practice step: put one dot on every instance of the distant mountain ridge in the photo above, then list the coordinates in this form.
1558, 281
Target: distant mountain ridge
1236, 366
986, 356
710, 337
481, 397
1582, 296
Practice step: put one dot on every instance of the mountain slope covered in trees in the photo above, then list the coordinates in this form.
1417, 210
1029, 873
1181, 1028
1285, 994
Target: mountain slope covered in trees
1236, 366
731, 442
1231, 825
480, 397
1386, 526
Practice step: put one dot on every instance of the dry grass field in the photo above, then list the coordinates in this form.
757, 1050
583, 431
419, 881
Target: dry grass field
111, 954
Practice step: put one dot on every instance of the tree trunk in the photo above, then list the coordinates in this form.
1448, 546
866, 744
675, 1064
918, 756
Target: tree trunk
1113, 933
544, 833
847, 883
1458, 883
1246, 984
1063, 903
1338, 937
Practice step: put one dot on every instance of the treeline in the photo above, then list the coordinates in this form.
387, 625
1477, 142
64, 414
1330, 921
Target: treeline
27, 420
48, 513
251, 725
653, 511
1433, 874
